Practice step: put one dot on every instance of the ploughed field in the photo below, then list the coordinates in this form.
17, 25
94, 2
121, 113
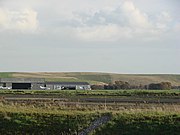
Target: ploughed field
78, 112
93, 96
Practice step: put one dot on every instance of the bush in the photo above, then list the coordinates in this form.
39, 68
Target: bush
121, 123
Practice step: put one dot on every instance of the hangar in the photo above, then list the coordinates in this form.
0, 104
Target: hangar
40, 83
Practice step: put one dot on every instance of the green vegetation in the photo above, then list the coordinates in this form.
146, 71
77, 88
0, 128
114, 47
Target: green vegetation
97, 92
142, 124
68, 112
26, 120
64, 117
43, 123
5, 74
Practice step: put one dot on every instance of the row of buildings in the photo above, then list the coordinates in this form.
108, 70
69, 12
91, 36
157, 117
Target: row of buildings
40, 83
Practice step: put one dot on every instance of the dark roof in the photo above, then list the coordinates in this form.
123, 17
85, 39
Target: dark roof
69, 83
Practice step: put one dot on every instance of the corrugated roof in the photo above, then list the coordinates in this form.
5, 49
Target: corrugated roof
69, 83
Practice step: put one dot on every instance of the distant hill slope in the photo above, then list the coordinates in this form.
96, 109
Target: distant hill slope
96, 78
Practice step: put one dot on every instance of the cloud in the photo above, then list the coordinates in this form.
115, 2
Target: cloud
134, 17
3, 18
122, 22
24, 20
92, 21
177, 27
163, 20
125, 21
110, 32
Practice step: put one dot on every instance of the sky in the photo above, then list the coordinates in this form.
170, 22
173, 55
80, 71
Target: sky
116, 36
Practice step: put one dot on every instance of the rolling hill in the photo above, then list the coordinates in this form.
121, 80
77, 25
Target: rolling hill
96, 78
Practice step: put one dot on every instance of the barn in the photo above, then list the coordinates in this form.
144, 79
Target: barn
40, 83
21, 83
68, 85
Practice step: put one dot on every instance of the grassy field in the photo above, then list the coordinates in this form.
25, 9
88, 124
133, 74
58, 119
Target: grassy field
5, 75
97, 92
68, 117
16, 119
70, 112
97, 78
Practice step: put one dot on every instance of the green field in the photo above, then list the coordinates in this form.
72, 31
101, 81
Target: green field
29, 120
5, 75
27, 114
68, 112
96, 92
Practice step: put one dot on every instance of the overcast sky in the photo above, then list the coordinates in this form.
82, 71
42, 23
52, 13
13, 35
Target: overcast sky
119, 36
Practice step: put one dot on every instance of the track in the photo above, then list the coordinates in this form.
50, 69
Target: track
40, 98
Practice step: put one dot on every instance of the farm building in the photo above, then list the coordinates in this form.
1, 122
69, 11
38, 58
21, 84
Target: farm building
40, 83
68, 85
21, 83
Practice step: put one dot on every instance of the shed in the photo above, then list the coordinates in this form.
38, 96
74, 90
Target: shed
21, 83
68, 85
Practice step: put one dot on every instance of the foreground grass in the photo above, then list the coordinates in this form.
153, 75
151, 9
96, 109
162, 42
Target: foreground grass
57, 118
15, 119
65, 123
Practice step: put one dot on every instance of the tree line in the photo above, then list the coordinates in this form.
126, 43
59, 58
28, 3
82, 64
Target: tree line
125, 85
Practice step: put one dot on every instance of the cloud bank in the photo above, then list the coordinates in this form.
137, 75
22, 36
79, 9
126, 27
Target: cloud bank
110, 23
24, 20
125, 21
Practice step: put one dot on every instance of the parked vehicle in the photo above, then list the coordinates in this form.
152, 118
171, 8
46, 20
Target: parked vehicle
5, 88
44, 88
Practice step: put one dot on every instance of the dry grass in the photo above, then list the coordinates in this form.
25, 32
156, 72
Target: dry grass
102, 77
59, 107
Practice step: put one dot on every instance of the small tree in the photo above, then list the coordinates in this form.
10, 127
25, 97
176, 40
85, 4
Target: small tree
165, 85
160, 86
